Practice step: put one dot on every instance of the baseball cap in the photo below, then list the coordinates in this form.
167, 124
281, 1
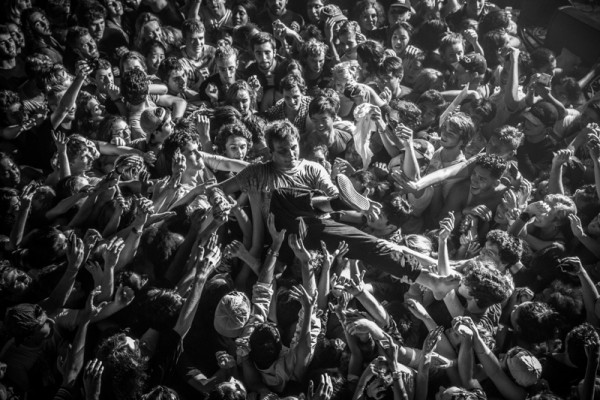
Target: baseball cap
401, 4
231, 315
474, 62
523, 366
152, 119
543, 111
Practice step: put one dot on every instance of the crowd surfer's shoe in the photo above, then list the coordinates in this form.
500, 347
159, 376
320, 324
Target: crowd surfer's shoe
350, 196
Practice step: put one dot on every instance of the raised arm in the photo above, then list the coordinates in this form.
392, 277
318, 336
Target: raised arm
68, 100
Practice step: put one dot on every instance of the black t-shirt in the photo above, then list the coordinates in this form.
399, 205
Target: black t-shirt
37, 145
12, 78
560, 377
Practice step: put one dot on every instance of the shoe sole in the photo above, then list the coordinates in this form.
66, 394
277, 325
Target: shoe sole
350, 196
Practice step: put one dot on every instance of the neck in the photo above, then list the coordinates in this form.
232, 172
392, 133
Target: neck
190, 177
8, 63
451, 153
192, 55
397, 91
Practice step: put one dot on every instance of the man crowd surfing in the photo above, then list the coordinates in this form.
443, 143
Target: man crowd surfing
263, 199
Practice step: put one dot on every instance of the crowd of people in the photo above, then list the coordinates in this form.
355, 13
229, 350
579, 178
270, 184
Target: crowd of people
318, 199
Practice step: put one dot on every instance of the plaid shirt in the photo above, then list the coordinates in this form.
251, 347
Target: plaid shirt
277, 112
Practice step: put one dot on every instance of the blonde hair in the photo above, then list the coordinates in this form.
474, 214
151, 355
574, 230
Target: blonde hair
346, 70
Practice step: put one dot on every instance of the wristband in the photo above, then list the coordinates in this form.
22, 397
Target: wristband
525, 216
396, 375
272, 253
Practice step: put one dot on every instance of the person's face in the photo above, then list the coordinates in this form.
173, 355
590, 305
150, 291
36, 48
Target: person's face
347, 42
194, 42
121, 130
500, 215
491, 251
8, 49
104, 79
399, 41
412, 67
323, 123
97, 28
154, 58
226, 69
449, 137
87, 48
448, 393
236, 147
451, 55
263, 53
293, 98
277, 7
239, 16
16, 281
462, 75
496, 147
177, 82
216, 6
152, 31
115, 8
352, 156
398, 14
17, 34
131, 64
315, 63
390, 81
594, 226
339, 85
285, 154
368, 19
166, 130
475, 7
40, 24
235, 386
95, 110
482, 180
242, 102
10, 175
23, 5
319, 157
193, 157
82, 162
313, 10
545, 220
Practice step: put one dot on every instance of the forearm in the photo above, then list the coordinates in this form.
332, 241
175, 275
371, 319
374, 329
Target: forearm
130, 248
388, 144
323, 287
60, 294
512, 85
18, 229
190, 306
221, 163
113, 223
76, 355
67, 101
597, 175
589, 381
590, 296
443, 174
591, 244
107, 286
64, 206
411, 165
84, 211
258, 227
177, 267
443, 257
555, 184
63, 164
374, 308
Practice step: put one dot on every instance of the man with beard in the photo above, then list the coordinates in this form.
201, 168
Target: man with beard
213, 89
196, 56
80, 46
277, 10
12, 68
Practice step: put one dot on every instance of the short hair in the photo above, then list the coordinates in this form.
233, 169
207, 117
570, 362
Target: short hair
53, 78
248, 5
149, 45
262, 38
396, 209
491, 42
322, 105
392, 65
279, 131
486, 284
75, 33
426, 80
496, 19
364, 5
237, 130
292, 81
429, 35
431, 96
541, 57
160, 308
7, 99
90, 12
224, 52
345, 70
190, 26
22, 320
419, 243
409, 113
177, 140
484, 108
509, 246
562, 206
371, 53
537, 322
132, 55
167, 66
495, 164
312, 48
449, 40
134, 86
349, 27
575, 343
36, 65
265, 345
463, 124
510, 135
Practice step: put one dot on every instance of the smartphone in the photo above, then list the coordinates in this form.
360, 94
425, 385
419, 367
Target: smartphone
544, 79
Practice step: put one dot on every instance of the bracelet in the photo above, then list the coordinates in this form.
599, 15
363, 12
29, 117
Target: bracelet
272, 253
525, 216
396, 375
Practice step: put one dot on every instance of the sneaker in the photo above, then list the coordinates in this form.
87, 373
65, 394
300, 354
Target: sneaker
350, 196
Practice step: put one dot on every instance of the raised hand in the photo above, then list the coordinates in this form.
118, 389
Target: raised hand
90, 311
482, 211
571, 265
538, 208
75, 252
82, 69
356, 285
324, 390
389, 347
236, 249
112, 251
60, 140
297, 246
277, 236
92, 379
124, 295
576, 226
446, 227
432, 339
561, 157
308, 302
177, 167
